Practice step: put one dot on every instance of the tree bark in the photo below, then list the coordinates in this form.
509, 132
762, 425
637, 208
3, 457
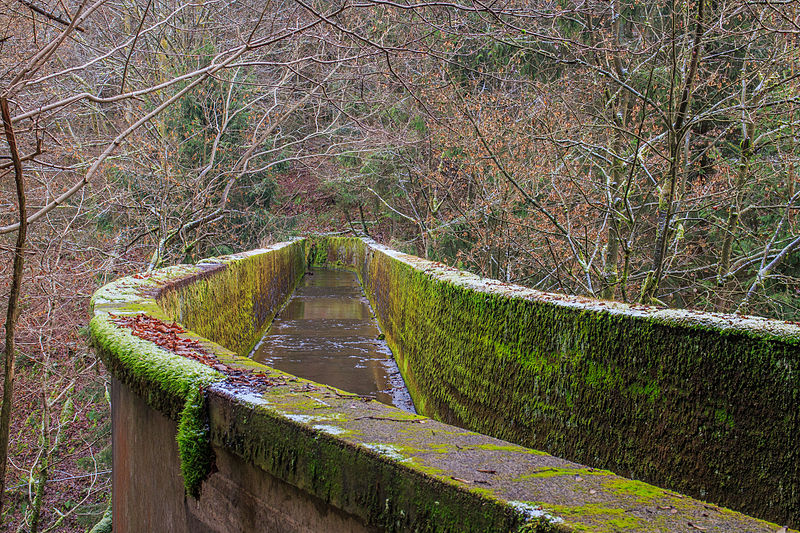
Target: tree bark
41, 482
734, 210
13, 298
677, 132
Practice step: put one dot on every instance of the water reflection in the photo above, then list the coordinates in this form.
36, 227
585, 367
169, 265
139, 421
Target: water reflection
327, 333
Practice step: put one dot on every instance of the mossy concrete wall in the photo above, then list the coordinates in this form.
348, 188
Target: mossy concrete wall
238, 497
207, 440
705, 404
233, 299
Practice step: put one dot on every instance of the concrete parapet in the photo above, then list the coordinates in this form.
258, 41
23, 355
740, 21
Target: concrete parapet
207, 440
706, 404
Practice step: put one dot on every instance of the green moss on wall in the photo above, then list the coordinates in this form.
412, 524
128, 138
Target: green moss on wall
703, 404
163, 379
169, 383
194, 444
228, 300
235, 297
642, 492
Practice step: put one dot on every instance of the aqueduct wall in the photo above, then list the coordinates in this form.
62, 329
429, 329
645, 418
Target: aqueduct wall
207, 440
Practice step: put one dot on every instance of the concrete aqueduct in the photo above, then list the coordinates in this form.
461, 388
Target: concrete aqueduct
204, 439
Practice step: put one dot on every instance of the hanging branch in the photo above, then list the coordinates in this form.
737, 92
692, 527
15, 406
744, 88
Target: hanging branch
765, 269
54, 18
133, 47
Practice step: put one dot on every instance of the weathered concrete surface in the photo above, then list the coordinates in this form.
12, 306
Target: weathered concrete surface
237, 497
701, 403
328, 443
148, 490
272, 438
452, 463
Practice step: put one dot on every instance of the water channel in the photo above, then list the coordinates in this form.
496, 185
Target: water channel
327, 333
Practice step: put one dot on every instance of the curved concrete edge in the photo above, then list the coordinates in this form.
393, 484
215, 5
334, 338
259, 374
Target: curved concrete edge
385, 467
703, 404
723, 323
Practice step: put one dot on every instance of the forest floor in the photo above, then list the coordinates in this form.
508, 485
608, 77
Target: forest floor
78, 487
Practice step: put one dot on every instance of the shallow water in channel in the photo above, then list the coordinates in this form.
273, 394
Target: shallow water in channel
327, 333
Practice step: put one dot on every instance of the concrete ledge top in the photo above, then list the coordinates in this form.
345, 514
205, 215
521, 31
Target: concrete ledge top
535, 484
548, 493
725, 323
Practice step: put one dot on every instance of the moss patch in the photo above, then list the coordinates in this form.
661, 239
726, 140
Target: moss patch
600, 517
641, 492
672, 397
194, 445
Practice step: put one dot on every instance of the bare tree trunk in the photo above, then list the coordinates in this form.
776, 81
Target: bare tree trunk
667, 198
13, 299
346, 214
621, 105
363, 222
734, 210
41, 482
626, 271
614, 199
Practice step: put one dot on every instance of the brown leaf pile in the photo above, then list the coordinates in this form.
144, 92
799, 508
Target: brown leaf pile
165, 335
168, 337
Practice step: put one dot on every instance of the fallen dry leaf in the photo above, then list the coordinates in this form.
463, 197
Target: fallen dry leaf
166, 336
